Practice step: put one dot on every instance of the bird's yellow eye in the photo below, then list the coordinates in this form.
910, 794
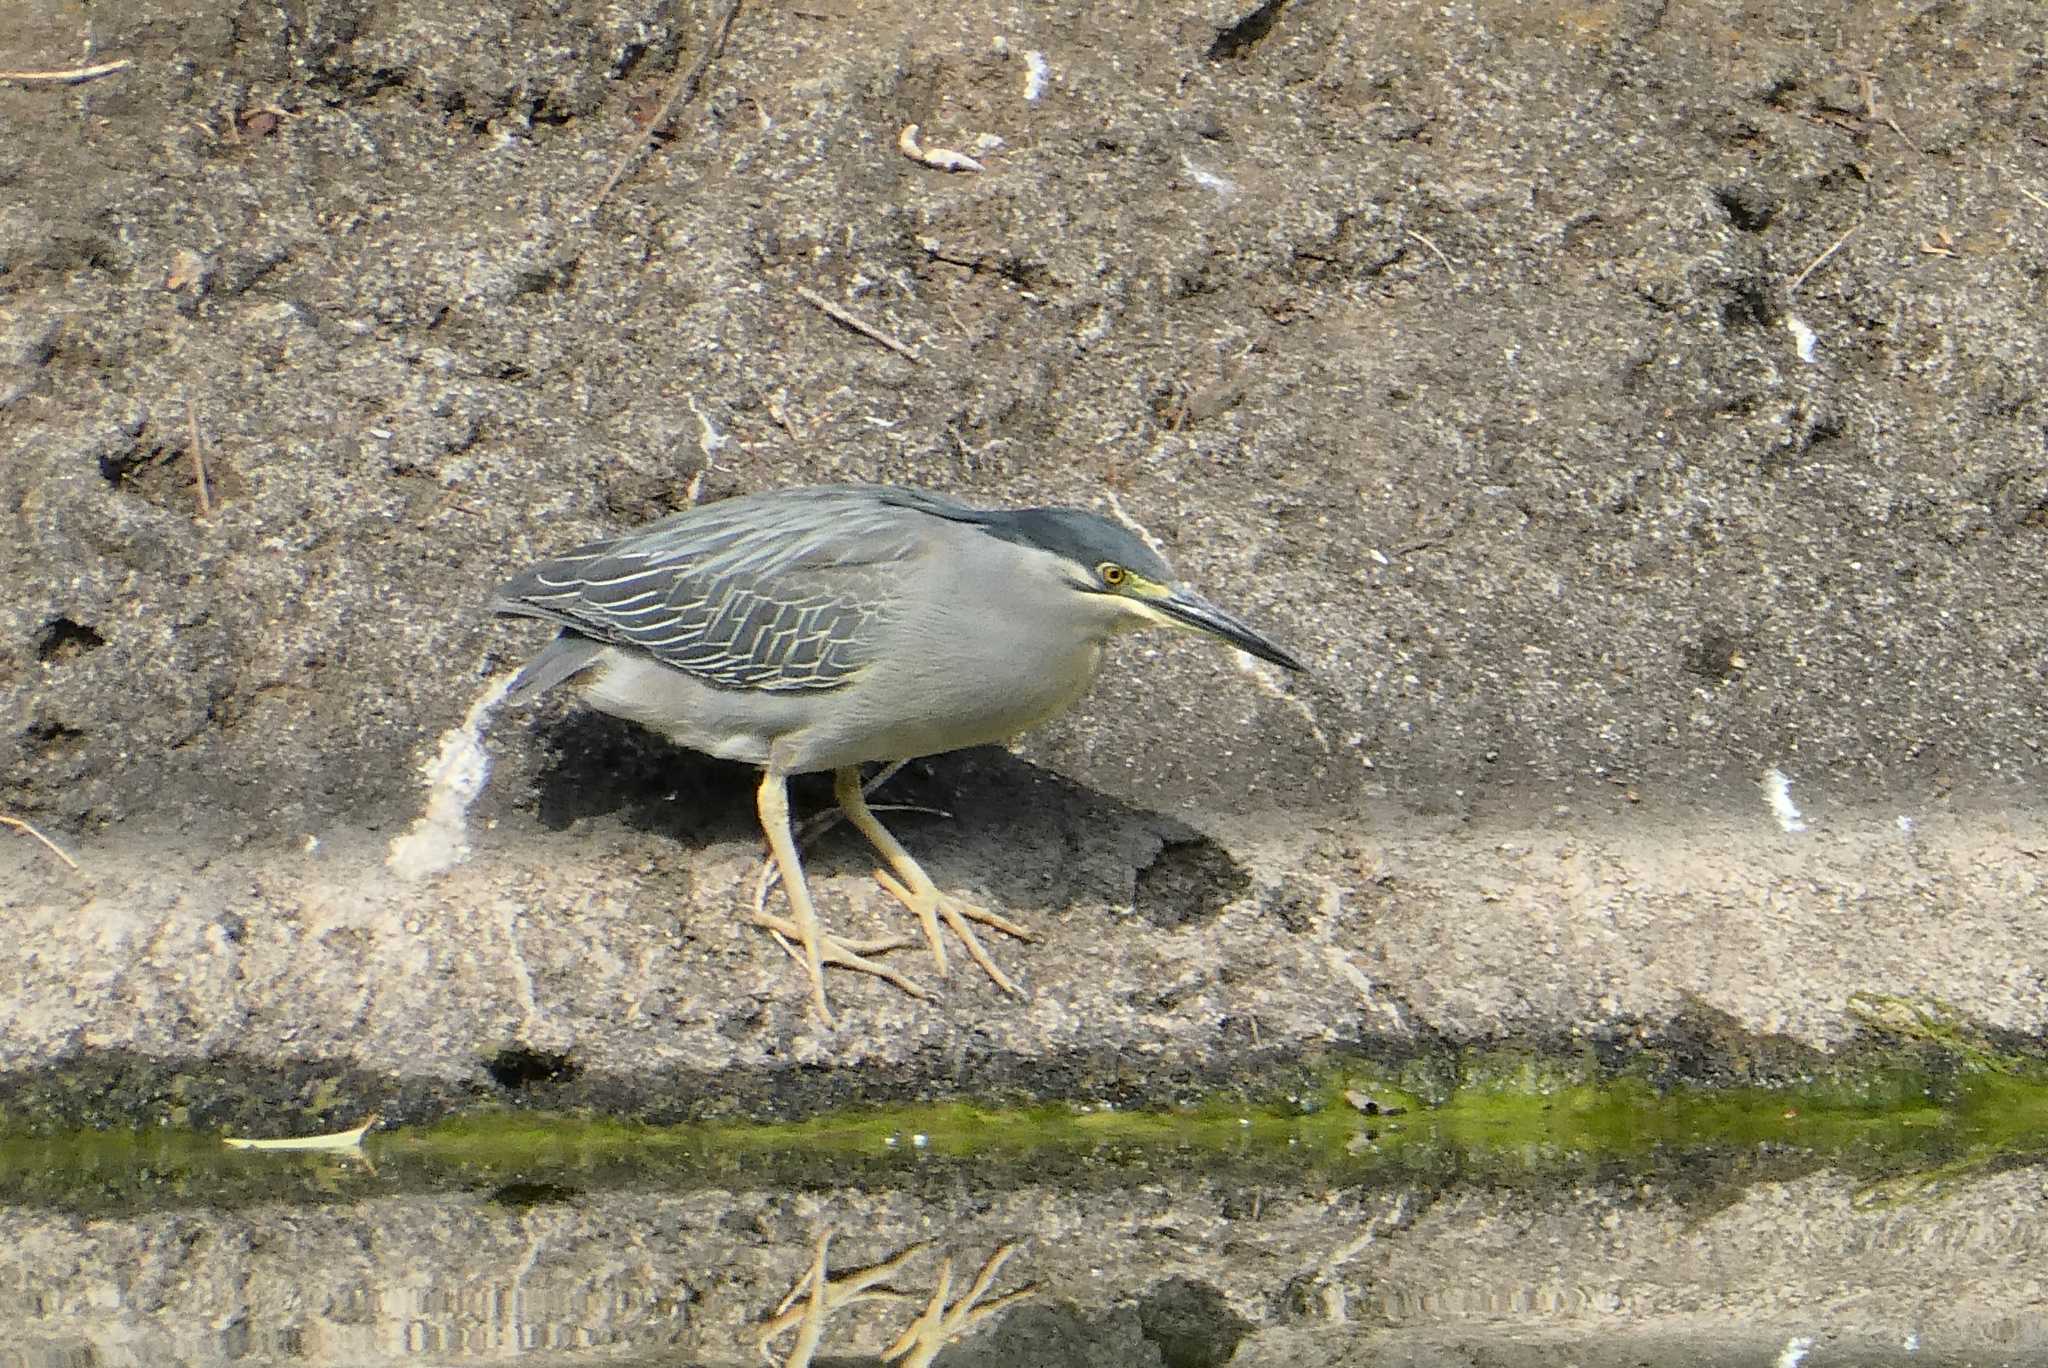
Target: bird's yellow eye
1112, 573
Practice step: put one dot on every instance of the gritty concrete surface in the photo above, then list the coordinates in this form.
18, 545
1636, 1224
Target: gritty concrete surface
1612, 403
1147, 1276
289, 989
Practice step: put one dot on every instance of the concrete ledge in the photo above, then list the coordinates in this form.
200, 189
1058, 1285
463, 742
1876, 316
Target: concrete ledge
189, 982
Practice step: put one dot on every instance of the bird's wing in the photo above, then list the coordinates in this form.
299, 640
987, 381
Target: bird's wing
784, 592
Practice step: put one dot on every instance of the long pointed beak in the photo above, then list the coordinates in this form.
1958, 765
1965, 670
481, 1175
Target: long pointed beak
1190, 609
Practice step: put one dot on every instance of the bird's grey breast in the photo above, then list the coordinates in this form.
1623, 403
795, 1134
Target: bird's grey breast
985, 646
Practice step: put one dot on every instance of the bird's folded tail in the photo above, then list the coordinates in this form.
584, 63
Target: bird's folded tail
567, 655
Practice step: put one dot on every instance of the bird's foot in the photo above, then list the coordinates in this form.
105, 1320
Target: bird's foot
932, 906
832, 949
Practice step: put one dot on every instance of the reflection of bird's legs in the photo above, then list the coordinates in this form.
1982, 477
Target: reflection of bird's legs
939, 1324
819, 946
912, 887
825, 1297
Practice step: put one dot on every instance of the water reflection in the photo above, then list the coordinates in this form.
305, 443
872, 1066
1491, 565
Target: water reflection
817, 1296
1105, 1260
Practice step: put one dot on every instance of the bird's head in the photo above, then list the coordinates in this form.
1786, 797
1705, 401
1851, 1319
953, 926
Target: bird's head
1128, 585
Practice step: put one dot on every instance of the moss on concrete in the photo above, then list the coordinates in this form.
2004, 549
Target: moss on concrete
1947, 1103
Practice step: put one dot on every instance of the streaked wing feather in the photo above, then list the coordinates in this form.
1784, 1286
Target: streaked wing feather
782, 592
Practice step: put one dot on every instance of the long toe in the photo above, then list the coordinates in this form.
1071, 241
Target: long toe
847, 954
932, 906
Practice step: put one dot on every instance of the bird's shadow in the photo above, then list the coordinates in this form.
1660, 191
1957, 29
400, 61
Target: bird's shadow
976, 817
599, 766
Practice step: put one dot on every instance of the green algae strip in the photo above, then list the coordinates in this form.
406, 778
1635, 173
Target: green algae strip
1502, 1126
1510, 1119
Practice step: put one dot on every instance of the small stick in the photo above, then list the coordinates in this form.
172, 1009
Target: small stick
1434, 248
1868, 81
781, 416
684, 90
867, 330
350, 1139
1820, 260
198, 448
20, 825
2032, 196
70, 75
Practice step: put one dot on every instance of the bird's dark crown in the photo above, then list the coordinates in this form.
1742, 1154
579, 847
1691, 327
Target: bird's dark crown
1087, 539
1080, 536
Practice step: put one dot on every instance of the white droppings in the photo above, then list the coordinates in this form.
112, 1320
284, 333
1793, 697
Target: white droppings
1341, 964
1777, 786
1037, 72
1796, 1349
1802, 336
439, 838
943, 159
711, 441
1208, 180
1907, 826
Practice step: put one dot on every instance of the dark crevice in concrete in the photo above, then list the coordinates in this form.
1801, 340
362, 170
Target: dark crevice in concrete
519, 1069
1190, 881
63, 639
1242, 36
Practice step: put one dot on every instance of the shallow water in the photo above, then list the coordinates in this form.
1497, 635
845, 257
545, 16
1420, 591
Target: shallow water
568, 1244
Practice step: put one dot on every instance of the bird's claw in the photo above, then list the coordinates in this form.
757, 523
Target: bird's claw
847, 954
931, 906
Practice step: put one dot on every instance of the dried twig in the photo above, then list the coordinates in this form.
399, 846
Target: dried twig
2032, 196
865, 329
20, 824
70, 75
1434, 248
1867, 82
684, 90
1821, 260
781, 415
197, 446
350, 1140
1941, 244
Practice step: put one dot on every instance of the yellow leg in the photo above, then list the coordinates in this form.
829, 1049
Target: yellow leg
912, 887
819, 946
